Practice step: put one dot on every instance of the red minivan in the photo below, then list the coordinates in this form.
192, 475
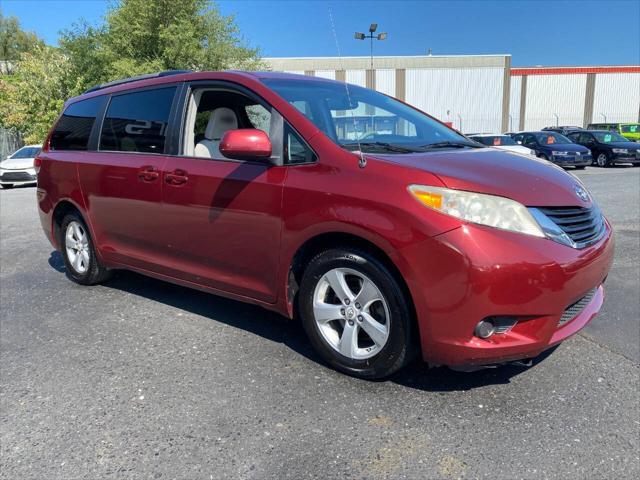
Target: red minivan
386, 232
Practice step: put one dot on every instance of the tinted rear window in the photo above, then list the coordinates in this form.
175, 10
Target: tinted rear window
137, 122
74, 127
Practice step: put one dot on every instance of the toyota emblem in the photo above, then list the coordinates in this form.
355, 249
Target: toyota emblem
582, 193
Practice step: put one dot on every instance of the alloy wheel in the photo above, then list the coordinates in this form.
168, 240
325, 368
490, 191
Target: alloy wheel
351, 313
77, 247
602, 160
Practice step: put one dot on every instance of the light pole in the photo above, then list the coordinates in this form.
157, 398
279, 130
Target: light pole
371, 36
604, 116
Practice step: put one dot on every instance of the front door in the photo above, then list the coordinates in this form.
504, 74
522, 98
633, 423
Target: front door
223, 217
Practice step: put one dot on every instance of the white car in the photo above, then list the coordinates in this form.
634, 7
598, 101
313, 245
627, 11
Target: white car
17, 168
503, 142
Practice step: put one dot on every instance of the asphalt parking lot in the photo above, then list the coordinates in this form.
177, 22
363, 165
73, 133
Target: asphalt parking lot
142, 379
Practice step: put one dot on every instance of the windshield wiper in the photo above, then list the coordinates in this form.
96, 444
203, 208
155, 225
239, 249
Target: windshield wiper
448, 144
389, 147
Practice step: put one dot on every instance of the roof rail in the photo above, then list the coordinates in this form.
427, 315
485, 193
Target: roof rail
166, 73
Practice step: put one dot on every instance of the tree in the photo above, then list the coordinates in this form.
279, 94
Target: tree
141, 36
34, 95
13, 40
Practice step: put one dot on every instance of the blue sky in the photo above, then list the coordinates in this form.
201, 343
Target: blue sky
589, 32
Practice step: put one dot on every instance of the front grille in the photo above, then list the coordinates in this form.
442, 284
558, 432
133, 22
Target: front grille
582, 225
17, 177
575, 309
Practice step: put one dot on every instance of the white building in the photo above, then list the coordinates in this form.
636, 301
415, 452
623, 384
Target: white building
482, 93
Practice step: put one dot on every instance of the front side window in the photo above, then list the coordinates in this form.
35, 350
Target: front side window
359, 118
73, 130
137, 122
213, 112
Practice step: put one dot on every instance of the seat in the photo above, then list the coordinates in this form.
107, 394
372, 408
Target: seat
221, 120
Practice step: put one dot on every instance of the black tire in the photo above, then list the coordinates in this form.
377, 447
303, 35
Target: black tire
603, 160
400, 344
95, 272
7, 185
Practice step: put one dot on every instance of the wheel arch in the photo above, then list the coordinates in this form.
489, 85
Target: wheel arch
328, 240
63, 208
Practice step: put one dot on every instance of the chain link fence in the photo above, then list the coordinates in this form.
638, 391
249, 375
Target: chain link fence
10, 141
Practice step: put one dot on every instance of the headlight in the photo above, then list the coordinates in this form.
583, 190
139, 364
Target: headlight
490, 210
560, 154
620, 150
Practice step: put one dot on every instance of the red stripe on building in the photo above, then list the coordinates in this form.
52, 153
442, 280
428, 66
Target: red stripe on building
572, 70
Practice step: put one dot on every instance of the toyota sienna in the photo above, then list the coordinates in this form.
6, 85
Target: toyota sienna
385, 232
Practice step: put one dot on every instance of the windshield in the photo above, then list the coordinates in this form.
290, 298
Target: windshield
608, 137
632, 128
26, 152
366, 119
495, 140
550, 138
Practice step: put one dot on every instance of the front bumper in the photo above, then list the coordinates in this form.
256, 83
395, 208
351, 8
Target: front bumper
475, 272
625, 158
17, 177
582, 160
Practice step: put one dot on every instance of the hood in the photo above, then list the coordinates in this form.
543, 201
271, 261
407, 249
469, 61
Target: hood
529, 180
17, 163
515, 148
566, 147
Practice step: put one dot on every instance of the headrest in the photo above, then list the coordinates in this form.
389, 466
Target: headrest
221, 121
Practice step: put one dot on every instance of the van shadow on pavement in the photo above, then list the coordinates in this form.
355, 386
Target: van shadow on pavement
277, 328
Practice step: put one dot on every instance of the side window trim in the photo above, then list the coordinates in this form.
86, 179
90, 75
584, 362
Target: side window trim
94, 137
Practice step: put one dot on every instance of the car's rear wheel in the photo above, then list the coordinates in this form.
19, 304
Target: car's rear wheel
602, 160
79, 253
355, 313
6, 185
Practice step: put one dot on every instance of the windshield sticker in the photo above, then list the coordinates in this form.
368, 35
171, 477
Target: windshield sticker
607, 138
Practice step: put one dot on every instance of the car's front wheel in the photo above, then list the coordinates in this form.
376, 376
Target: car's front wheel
602, 160
355, 313
79, 253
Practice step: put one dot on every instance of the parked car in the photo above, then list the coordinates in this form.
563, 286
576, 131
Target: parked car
608, 148
631, 131
381, 243
556, 148
17, 168
503, 142
562, 130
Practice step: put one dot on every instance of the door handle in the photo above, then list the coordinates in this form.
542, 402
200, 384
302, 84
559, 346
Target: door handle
177, 177
148, 173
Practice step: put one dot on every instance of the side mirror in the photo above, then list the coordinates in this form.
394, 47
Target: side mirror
246, 144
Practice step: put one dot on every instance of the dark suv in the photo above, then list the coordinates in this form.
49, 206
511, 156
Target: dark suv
608, 148
556, 148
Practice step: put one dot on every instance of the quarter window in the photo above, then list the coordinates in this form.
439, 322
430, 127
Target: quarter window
296, 150
137, 122
73, 130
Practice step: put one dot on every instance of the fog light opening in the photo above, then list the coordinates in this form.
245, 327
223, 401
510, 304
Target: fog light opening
485, 329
